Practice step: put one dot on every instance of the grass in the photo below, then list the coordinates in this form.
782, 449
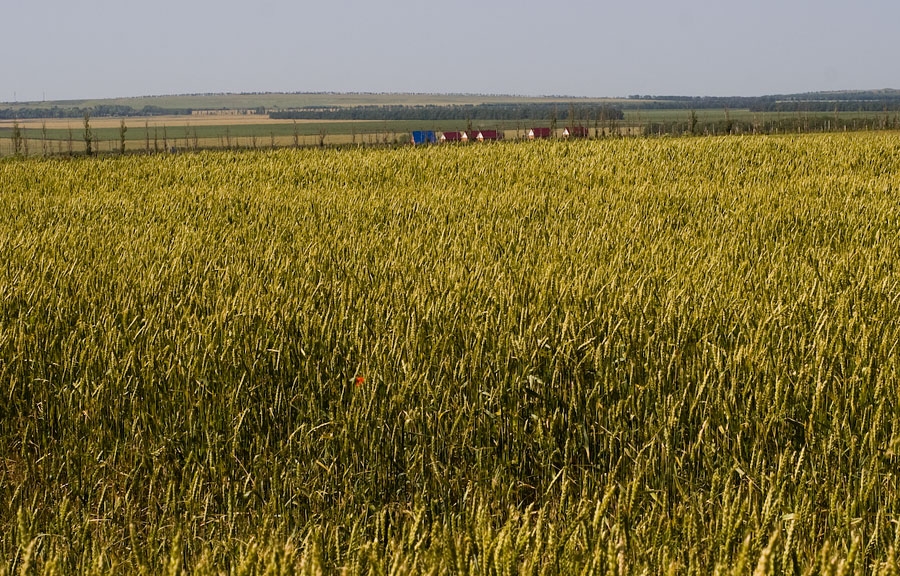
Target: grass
598, 357
182, 133
186, 132
262, 130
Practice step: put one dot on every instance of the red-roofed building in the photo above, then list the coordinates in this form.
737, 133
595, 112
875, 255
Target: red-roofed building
482, 135
575, 132
451, 136
536, 133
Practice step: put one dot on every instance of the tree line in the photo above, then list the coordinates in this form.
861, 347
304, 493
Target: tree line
864, 101
832, 106
474, 112
798, 123
99, 111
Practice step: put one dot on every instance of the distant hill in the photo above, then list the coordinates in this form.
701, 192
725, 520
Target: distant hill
263, 103
288, 103
843, 101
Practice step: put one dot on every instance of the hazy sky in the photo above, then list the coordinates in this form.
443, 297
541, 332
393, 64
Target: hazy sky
61, 49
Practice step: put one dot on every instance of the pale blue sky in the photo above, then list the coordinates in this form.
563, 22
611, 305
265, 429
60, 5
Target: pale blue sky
61, 49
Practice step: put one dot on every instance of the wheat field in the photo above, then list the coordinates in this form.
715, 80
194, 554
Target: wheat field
627, 356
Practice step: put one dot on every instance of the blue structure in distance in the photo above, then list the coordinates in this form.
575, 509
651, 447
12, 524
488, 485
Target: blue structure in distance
423, 137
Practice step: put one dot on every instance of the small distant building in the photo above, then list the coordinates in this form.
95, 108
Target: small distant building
483, 135
537, 133
575, 132
423, 137
452, 136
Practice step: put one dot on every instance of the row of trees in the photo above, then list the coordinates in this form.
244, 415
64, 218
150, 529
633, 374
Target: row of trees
824, 106
99, 111
157, 139
850, 101
798, 123
858, 101
20, 141
479, 112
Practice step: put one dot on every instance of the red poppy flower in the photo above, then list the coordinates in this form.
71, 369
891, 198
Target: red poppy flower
359, 380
